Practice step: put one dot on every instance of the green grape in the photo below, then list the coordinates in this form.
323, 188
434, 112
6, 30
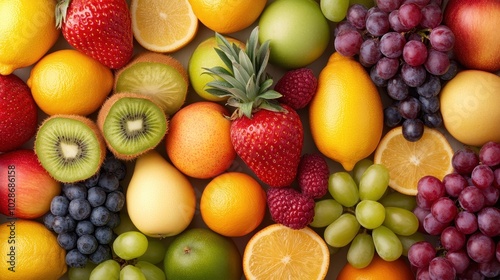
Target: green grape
155, 253
370, 214
334, 10
387, 244
342, 231
343, 189
409, 240
374, 182
397, 199
109, 270
130, 245
326, 211
367, 3
130, 272
400, 221
81, 273
151, 271
360, 168
361, 250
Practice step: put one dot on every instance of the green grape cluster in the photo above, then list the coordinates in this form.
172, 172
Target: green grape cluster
136, 256
366, 215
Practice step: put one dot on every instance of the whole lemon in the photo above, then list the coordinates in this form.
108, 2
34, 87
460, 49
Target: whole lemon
469, 106
69, 82
30, 251
346, 113
28, 29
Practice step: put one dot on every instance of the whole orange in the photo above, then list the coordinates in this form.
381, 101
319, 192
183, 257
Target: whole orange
198, 141
378, 269
233, 204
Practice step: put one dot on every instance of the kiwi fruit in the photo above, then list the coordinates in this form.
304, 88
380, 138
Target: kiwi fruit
131, 124
160, 76
70, 147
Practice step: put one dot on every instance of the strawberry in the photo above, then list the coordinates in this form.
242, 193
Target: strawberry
102, 29
298, 87
312, 175
290, 207
266, 135
18, 113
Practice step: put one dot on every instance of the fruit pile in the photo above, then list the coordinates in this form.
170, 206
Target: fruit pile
85, 213
462, 210
405, 46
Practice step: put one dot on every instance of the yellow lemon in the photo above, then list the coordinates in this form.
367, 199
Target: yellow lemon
346, 113
469, 106
69, 82
28, 31
30, 252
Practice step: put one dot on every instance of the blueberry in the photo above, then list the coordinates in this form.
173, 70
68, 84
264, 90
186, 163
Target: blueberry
114, 220
115, 201
67, 240
100, 216
96, 196
75, 259
86, 244
74, 191
109, 182
79, 209
104, 235
92, 181
59, 205
48, 220
63, 224
84, 227
102, 253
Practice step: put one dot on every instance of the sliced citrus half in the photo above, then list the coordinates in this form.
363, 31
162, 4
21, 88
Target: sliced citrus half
163, 25
409, 161
279, 252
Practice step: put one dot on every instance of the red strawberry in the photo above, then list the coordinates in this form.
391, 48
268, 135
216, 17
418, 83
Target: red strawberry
298, 87
290, 207
312, 175
102, 29
18, 113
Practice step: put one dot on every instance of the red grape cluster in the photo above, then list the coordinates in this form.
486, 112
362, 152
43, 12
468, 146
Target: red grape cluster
463, 211
407, 51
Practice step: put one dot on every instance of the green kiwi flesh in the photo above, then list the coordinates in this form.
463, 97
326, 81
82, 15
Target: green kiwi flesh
131, 125
70, 148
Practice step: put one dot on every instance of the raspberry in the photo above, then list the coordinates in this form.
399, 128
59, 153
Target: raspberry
298, 87
312, 175
290, 207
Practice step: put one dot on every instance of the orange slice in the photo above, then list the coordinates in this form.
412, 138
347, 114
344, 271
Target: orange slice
279, 252
409, 161
163, 25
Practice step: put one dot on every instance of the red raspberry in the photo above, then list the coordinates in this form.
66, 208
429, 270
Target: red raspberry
298, 87
290, 207
312, 175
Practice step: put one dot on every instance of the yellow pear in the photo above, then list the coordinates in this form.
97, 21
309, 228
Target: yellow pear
160, 199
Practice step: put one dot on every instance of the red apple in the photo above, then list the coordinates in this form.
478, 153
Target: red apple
26, 189
18, 113
475, 24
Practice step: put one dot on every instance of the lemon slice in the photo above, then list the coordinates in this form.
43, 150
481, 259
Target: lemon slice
279, 252
163, 25
409, 161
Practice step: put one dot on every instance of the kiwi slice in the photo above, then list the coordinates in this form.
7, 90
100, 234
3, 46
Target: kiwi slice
131, 124
70, 147
160, 76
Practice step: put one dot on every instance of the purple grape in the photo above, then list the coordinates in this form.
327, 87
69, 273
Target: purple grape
369, 52
413, 76
356, 15
409, 15
442, 38
397, 89
471, 199
472, 272
480, 248
491, 195
488, 220
415, 53
489, 154
391, 44
421, 213
452, 239
459, 259
496, 182
419, 3
409, 108
413, 129
464, 161
466, 222
422, 202
348, 42
421, 253
376, 79
431, 15
430, 88
497, 251
441, 268
454, 184
394, 22
388, 5
433, 120
387, 67
423, 274
490, 269
392, 117
341, 26
482, 176
430, 188
433, 226
444, 210
429, 105
437, 62
377, 23
452, 71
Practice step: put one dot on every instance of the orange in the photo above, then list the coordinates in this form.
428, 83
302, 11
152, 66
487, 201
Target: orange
198, 141
409, 161
69, 82
233, 204
346, 113
279, 252
163, 25
227, 16
30, 251
378, 269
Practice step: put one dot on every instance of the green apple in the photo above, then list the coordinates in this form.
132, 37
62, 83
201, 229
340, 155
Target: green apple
297, 31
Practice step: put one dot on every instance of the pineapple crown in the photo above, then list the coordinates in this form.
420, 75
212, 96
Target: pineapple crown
246, 84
